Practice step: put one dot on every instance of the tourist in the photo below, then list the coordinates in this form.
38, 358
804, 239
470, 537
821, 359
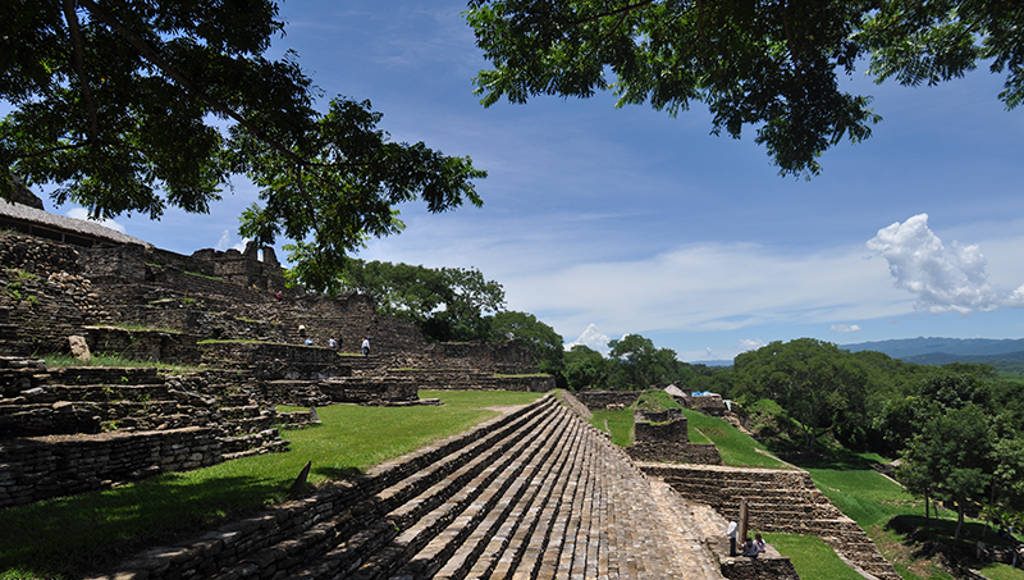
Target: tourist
279, 296
760, 544
365, 346
308, 341
749, 549
332, 344
730, 532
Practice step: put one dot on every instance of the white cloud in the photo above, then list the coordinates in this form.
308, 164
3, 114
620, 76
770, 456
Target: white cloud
750, 344
951, 278
845, 328
80, 213
224, 243
593, 338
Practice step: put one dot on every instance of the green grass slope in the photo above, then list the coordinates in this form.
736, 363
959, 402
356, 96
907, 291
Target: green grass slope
812, 557
71, 535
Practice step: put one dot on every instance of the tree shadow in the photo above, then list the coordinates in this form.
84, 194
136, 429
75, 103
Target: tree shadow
68, 536
352, 474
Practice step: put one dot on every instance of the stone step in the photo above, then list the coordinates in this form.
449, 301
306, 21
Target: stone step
438, 534
493, 505
424, 514
492, 534
522, 520
532, 541
362, 521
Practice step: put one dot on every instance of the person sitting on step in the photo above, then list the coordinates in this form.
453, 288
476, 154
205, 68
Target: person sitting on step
749, 549
760, 544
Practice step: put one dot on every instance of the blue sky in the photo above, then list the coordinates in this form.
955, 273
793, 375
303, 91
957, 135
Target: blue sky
632, 221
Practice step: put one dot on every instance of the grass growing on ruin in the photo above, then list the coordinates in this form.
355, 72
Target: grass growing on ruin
522, 376
135, 328
113, 360
616, 422
73, 535
737, 448
811, 557
1002, 572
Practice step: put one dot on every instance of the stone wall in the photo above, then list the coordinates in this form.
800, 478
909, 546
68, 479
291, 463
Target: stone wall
512, 357
668, 440
35, 468
369, 390
779, 501
601, 399
270, 360
711, 404
137, 344
759, 569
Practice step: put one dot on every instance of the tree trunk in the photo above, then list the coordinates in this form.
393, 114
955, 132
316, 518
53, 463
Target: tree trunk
959, 521
927, 511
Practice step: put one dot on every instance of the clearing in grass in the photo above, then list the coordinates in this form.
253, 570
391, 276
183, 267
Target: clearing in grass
72, 535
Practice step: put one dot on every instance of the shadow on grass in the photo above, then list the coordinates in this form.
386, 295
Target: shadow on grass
86, 532
345, 473
827, 460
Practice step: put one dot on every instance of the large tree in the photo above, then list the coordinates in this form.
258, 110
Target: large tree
819, 385
544, 343
775, 67
448, 303
138, 105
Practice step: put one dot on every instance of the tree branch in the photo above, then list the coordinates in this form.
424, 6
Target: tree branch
619, 10
78, 58
69, 146
150, 54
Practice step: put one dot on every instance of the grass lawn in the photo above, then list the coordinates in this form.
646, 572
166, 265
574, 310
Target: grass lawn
737, 448
886, 512
812, 557
72, 535
1002, 572
616, 422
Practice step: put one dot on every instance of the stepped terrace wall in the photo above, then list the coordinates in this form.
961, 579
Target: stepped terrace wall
42, 293
601, 399
272, 360
534, 494
164, 345
779, 501
36, 468
664, 437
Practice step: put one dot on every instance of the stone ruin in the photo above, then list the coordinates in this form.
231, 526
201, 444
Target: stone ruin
228, 322
535, 492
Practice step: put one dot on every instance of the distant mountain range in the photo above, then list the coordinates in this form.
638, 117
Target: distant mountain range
1004, 354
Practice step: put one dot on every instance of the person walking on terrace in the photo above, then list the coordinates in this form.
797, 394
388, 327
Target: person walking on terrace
366, 346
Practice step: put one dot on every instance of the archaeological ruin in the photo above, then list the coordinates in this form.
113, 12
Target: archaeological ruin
535, 493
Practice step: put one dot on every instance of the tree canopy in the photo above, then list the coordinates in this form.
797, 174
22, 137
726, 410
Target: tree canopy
776, 67
544, 343
136, 106
448, 303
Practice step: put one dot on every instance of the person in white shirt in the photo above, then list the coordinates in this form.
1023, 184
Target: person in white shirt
366, 346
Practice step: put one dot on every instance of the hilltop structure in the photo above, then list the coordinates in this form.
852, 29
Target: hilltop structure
535, 493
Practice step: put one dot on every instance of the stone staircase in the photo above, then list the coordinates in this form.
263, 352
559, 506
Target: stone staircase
535, 493
778, 501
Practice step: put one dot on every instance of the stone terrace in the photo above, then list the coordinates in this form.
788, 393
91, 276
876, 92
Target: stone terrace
779, 501
535, 493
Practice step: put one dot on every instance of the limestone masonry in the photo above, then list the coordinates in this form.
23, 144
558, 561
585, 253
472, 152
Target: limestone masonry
535, 493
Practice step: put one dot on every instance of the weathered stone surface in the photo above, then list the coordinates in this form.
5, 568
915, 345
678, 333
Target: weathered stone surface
79, 348
780, 501
536, 493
